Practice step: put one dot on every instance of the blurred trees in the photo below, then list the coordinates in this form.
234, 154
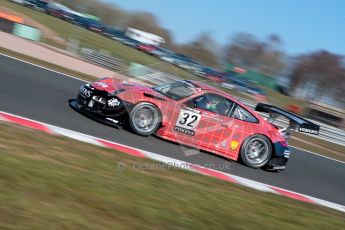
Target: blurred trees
201, 49
322, 71
245, 50
109, 13
113, 15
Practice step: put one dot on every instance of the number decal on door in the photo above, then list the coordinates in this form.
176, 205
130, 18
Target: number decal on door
187, 122
189, 119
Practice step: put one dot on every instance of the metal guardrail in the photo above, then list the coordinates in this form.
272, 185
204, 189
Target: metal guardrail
104, 60
150, 75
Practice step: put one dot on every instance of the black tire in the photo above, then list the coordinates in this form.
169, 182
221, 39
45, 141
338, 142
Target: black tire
144, 119
256, 151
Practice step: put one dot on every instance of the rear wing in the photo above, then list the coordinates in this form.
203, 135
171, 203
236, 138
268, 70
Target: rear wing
295, 121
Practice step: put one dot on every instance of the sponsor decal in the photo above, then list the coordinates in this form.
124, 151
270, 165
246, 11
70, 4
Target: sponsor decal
311, 131
112, 120
185, 131
154, 96
224, 143
114, 102
91, 102
187, 122
234, 145
85, 92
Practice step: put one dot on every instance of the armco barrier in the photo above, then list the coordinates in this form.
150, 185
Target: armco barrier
150, 75
103, 60
135, 70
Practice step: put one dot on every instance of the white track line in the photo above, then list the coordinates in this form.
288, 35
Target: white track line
42, 67
318, 154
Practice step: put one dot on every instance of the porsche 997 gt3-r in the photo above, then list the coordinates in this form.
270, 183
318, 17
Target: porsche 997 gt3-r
194, 114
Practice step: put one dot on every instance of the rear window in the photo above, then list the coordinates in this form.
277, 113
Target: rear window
242, 114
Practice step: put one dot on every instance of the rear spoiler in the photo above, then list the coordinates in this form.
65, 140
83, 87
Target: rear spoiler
295, 121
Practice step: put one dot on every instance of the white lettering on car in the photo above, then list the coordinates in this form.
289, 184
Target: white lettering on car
305, 130
114, 102
85, 92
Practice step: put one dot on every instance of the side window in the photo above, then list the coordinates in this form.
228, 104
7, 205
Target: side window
213, 103
243, 115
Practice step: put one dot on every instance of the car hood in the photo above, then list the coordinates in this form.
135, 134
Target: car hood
111, 85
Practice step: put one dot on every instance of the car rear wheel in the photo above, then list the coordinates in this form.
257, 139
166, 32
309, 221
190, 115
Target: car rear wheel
144, 119
256, 151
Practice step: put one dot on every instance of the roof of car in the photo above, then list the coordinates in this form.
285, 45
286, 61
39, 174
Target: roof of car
206, 87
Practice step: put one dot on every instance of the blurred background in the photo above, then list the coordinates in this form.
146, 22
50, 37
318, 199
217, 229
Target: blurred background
237, 48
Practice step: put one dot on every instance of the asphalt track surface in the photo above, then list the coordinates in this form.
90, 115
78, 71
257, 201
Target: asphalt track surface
42, 95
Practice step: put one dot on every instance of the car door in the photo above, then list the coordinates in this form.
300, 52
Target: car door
205, 122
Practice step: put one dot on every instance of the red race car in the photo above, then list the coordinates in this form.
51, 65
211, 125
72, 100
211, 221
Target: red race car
196, 115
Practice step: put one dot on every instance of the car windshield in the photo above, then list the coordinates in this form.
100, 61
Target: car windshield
177, 90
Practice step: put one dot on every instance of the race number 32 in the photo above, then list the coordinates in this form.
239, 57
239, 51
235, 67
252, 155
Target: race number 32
187, 122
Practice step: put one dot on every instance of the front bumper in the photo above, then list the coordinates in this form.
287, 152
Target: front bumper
100, 105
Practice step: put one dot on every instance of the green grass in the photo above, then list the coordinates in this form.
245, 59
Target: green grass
49, 182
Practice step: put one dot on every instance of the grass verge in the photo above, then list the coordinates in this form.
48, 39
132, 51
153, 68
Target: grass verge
54, 182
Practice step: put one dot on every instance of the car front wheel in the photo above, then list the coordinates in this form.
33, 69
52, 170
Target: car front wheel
256, 151
144, 119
